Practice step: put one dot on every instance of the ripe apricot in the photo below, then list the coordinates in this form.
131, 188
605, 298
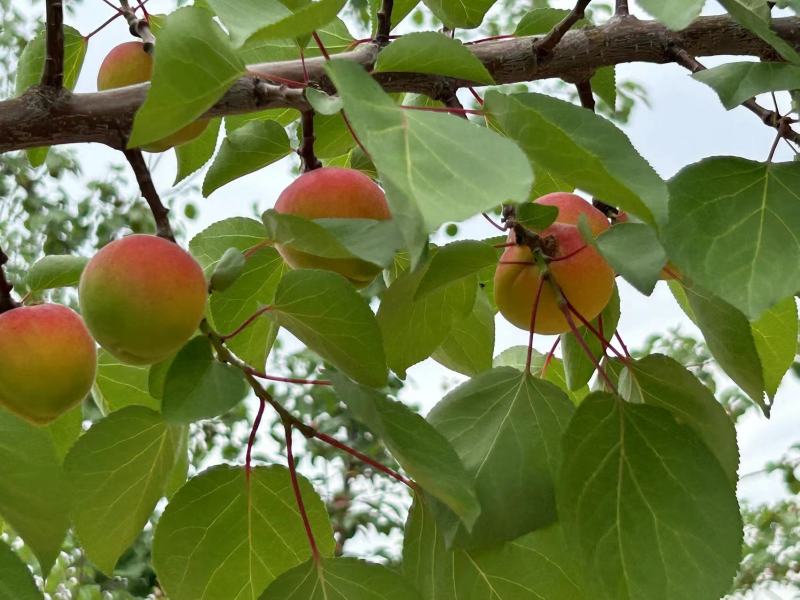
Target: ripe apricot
584, 277
48, 363
330, 193
142, 298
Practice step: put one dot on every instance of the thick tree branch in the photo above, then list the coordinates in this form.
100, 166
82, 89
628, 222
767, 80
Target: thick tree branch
106, 117
7, 301
150, 194
551, 40
53, 73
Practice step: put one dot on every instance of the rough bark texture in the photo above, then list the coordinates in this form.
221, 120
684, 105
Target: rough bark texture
38, 118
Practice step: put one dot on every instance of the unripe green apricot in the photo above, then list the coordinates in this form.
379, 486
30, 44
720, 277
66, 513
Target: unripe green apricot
143, 298
48, 361
584, 277
129, 64
331, 193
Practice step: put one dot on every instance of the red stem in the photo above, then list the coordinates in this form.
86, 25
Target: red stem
276, 79
602, 330
491, 39
600, 370
506, 245
493, 222
549, 357
533, 325
570, 255
320, 45
603, 341
112, 5
287, 426
144, 10
475, 95
246, 324
248, 464
353, 134
253, 249
303, 62
103, 26
621, 343
364, 458
262, 375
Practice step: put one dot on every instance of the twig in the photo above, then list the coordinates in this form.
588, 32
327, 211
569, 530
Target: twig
7, 301
384, 22
53, 73
248, 465
306, 149
621, 9
621, 343
582, 342
550, 41
532, 327
138, 27
493, 222
301, 507
160, 212
549, 358
321, 46
363, 458
262, 375
453, 104
598, 334
778, 138
585, 94
247, 322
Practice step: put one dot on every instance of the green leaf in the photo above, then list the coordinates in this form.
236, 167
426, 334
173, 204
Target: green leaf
209, 245
676, 14
30, 66
119, 470
35, 495
228, 269
507, 428
65, 430
604, 84
469, 347
246, 150
325, 312
648, 508
184, 88
118, 385
421, 450
633, 251
254, 289
180, 471
412, 149
755, 16
55, 271
244, 18
371, 240
16, 580
739, 81
660, 381
432, 53
537, 566
539, 21
536, 217
200, 387
322, 103
463, 14
192, 156
303, 21
453, 262
516, 357
414, 328
583, 149
225, 536
775, 335
733, 230
340, 579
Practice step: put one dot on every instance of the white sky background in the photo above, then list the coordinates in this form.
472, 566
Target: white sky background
685, 124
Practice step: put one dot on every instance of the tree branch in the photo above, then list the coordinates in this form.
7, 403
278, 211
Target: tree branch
106, 117
160, 212
384, 23
585, 94
53, 73
7, 301
551, 40
138, 27
621, 9
306, 149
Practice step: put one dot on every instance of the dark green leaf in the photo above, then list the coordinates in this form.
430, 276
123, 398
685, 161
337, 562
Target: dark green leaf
517, 356
304, 20
55, 271
633, 251
228, 269
604, 84
740, 81
16, 581
469, 347
455, 261
536, 217
193, 155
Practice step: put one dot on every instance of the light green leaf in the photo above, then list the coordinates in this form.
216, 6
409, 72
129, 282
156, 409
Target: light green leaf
463, 14
180, 470
192, 156
755, 16
16, 580
243, 18
246, 150
421, 450
228, 269
65, 430
325, 312
118, 385
35, 495
333, 138
649, 510
535, 216
604, 84
209, 245
775, 336
183, 87
433, 53
200, 387
413, 149
455, 261
224, 536
540, 20
340, 579
633, 251
660, 381
303, 21
469, 347
322, 103
675, 14
733, 227
55, 271
517, 356
119, 470
583, 149
740, 81
507, 428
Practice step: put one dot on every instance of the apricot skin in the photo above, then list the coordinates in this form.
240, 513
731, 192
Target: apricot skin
129, 64
585, 278
333, 193
48, 364
142, 298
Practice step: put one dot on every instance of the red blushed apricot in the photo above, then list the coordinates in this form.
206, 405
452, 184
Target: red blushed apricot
333, 193
584, 277
48, 361
129, 64
142, 298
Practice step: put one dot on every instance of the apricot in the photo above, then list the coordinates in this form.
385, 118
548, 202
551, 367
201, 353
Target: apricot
142, 298
48, 361
129, 64
585, 279
333, 193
